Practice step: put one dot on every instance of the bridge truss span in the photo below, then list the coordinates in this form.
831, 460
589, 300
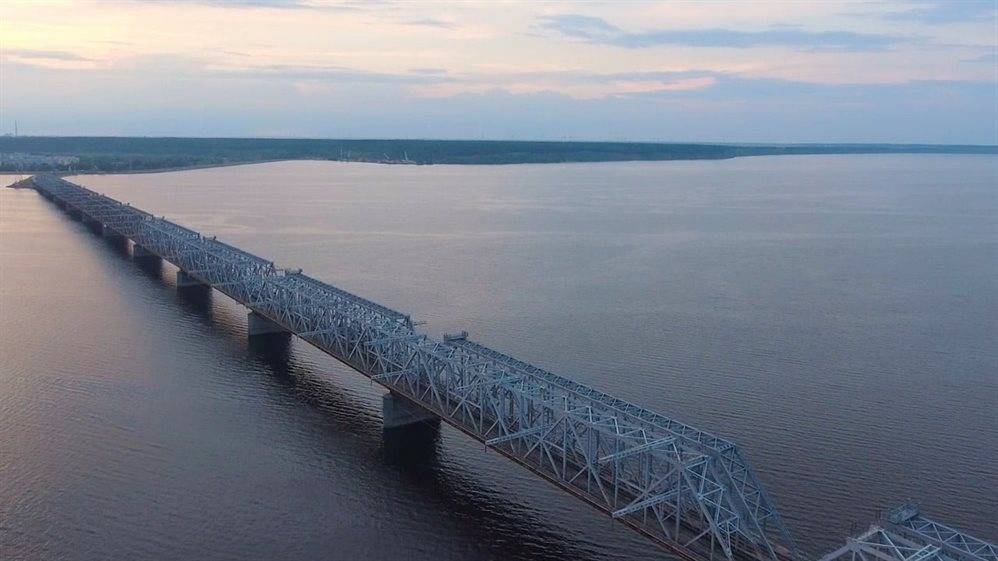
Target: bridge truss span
905, 534
688, 490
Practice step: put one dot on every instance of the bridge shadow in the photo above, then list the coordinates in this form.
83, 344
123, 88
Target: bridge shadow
411, 454
199, 300
153, 268
412, 447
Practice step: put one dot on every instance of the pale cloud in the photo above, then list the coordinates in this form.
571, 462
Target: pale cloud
945, 11
34, 54
331, 57
597, 30
990, 57
334, 5
432, 22
303, 73
205, 102
47, 58
437, 71
577, 85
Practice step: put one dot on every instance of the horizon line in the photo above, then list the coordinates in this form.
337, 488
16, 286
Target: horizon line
519, 140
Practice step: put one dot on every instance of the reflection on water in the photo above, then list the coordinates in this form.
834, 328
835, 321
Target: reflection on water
830, 314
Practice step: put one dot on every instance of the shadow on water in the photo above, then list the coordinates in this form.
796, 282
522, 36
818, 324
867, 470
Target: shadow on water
198, 299
412, 448
273, 350
410, 453
151, 266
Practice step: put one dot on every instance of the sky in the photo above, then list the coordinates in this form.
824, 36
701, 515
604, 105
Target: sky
707, 71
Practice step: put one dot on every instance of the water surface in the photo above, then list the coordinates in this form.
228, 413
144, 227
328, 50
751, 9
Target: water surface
834, 315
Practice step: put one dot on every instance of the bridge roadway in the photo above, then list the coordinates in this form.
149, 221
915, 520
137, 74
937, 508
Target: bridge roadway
688, 490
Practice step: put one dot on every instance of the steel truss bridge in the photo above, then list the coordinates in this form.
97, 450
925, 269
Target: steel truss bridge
686, 489
907, 535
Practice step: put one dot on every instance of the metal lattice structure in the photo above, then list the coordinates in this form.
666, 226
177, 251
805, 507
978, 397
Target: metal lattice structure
906, 535
689, 490
908, 520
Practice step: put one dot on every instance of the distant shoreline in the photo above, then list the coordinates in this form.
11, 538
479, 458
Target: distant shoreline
125, 155
69, 173
66, 173
165, 170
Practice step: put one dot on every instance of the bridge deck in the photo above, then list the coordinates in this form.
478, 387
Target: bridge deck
690, 491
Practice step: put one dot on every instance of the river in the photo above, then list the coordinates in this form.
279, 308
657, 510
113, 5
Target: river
833, 315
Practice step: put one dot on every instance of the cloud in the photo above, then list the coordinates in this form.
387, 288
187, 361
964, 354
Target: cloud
437, 71
33, 54
574, 84
582, 77
239, 3
432, 22
597, 30
184, 67
948, 11
580, 27
988, 58
202, 101
331, 5
332, 74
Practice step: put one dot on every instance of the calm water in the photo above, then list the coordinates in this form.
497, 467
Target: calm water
835, 315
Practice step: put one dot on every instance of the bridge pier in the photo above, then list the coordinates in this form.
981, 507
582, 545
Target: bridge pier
186, 281
96, 226
139, 252
112, 236
397, 411
257, 324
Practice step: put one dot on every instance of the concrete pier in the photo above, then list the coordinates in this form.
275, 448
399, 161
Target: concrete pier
112, 236
260, 325
96, 226
139, 252
397, 411
186, 281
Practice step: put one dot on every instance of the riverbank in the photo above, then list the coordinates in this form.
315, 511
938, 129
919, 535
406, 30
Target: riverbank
67, 173
85, 155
